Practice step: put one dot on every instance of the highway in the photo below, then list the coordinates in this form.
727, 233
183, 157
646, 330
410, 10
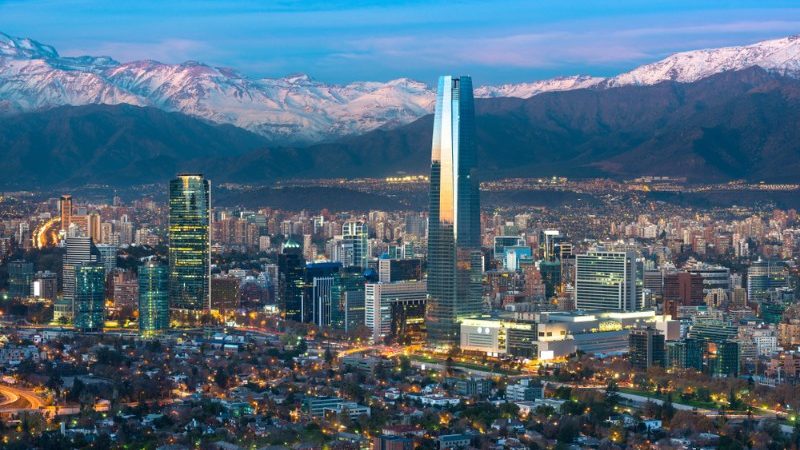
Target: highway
17, 399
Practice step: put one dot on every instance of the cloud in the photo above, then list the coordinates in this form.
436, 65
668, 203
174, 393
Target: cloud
168, 50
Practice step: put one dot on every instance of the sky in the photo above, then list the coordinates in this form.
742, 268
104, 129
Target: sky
341, 41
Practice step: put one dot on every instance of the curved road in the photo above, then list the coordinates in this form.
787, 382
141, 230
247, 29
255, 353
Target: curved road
16, 399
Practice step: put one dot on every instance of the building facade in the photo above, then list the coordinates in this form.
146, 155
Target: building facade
153, 299
189, 243
455, 261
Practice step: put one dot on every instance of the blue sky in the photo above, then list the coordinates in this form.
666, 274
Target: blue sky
341, 41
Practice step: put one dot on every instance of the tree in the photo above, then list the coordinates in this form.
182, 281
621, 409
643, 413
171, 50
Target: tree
221, 378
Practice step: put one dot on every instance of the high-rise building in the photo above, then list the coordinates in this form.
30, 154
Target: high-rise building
355, 236
725, 362
65, 208
90, 289
93, 228
321, 293
224, 293
153, 299
501, 242
646, 347
189, 243
20, 277
455, 261
394, 309
391, 270
682, 289
108, 256
291, 270
607, 281
45, 285
686, 354
80, 250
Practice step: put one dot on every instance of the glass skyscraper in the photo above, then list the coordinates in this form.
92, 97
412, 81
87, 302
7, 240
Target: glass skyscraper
153, 299
454, 256
90, 288
189, 243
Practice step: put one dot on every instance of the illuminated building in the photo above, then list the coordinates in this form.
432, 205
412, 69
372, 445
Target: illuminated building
498, 337
356, 244
560, 333
394, 309
65, 207
153, 299
90, 289
45, 285
607, 281
455, 261
291, 273
80, 250
189, 243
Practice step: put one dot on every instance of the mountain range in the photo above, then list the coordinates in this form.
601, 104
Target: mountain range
297, 109
715, 114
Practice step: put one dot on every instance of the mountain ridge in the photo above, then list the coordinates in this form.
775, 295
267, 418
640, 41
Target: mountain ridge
298, 110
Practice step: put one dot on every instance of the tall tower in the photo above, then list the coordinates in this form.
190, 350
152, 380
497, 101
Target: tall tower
153, 299
189, 243
454, 256
65, 207
355, 234
90, 289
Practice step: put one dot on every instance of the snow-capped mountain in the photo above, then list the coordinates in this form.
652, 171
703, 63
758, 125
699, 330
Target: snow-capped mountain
778, 55
527, 90
33, 76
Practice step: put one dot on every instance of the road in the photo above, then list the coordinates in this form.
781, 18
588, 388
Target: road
17, 399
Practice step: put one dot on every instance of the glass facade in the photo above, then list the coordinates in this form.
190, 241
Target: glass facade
20, 278
291, 273
189, 243
90, 286
454, 256
153, 299
607, 281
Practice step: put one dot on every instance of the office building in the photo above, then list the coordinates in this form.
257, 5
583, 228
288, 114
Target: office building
724, 362
391, 270
79, 250
65, 208
189, 243
685, 354
498, 337
501, 242
291, 274
525, 390
607, 281
224, 294
355, 239
45, 285
321, 294
153, 299
763, 276
646, 348
455, 262
394, 310
89, 300
108, 256
20, 277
